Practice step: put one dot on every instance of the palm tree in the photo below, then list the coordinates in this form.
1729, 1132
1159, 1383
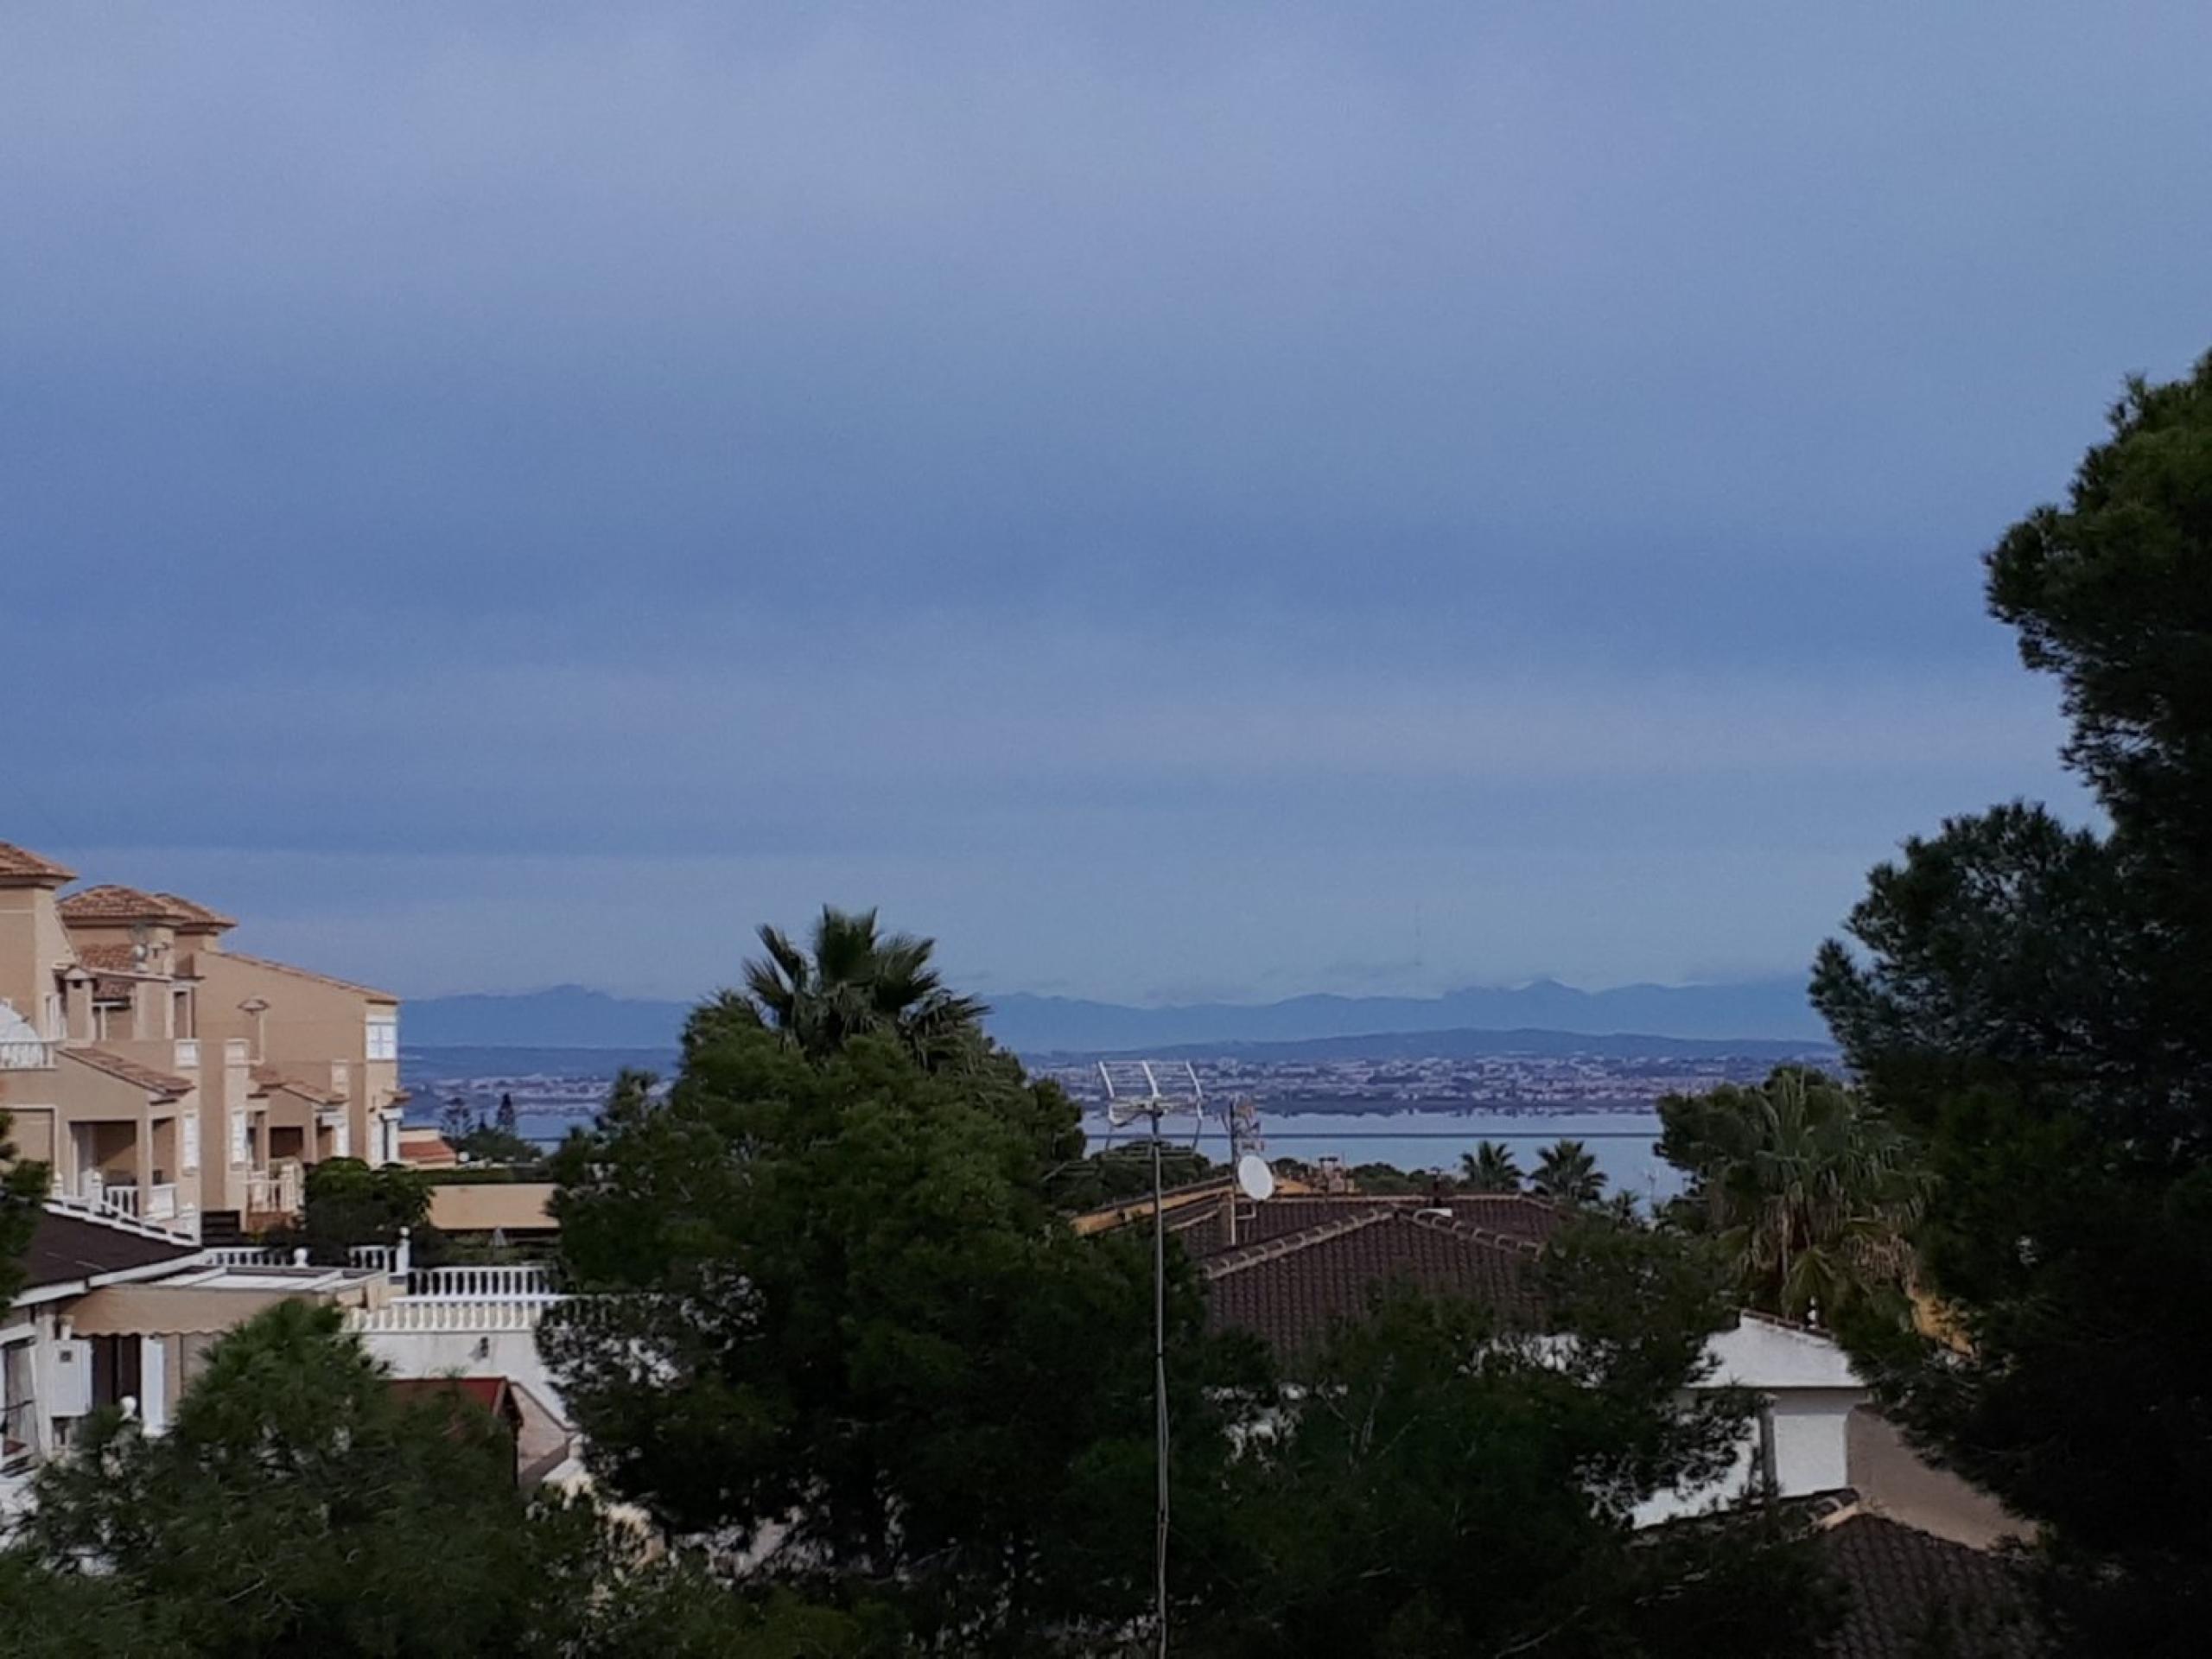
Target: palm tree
1569, 1172
855, 981
1490, 1167
1808, 1192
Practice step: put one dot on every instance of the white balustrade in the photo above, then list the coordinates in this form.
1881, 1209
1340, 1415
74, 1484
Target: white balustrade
519, 1280
123, 1199
188, 1053
379, 1257
247, 1255
161, 1202
420, 1314
26, 1054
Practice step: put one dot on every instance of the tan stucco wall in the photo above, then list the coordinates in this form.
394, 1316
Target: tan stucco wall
480, 1207
33, 942
309, 1023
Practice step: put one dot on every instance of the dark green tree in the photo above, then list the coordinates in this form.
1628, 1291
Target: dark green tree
1568, 1171
1442, 1485
854, 1336
23, 1190
298, 1505
1808, 1192
1490, 1167
854, 981
2031, 1002
348, 1203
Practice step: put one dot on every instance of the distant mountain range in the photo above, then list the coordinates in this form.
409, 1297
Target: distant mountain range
1763, 1011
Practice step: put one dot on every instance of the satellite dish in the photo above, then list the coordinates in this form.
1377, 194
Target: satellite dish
1254, 1176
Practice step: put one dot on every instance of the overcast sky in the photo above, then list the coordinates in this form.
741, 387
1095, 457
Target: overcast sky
1179, 499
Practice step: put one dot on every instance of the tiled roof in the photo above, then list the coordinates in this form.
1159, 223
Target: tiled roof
1911, 1592
196, 915
112, 903
110, 958
20, 864
1204, 1229
1290, 1289
65, 1248
369, 991
153, 1081
266, 1078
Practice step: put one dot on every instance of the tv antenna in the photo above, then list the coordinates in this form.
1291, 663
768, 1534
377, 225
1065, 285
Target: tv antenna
1155, 1091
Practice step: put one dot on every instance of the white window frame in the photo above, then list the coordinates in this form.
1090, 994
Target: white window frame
381, 1041
188, 1143
241, 1141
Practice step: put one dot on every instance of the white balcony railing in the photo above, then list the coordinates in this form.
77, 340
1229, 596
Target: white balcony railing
188, 1053
454, 1314
26, 1054
517, 1282
121, 1197
274, 1191
161, 1202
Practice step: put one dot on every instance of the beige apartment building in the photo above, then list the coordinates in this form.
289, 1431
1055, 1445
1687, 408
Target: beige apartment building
165, 1078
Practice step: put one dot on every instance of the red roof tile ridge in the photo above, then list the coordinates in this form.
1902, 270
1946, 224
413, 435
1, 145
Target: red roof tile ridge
369, 991
193, 911
112, 902
19, 863
1268, 1249
1443, 1222
100, 1059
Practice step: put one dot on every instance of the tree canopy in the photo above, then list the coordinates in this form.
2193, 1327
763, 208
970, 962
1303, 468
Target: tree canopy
298, 1504
854, 981
23, 1190
860, 1346
1808, 1190
2030, 1002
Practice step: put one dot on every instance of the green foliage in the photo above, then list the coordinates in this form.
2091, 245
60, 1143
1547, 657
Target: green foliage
297, 1505
1566, 1171
23, 1190
348, 1202
1439, 1486
1124, 1172
494, 1145
866, 1344
1807, 1190
855, 981
1490, 1167
2032, 1003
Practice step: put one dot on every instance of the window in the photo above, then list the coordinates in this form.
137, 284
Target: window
241, 1149
189, 1151
384, 1039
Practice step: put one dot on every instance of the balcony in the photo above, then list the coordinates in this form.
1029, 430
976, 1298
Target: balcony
26, 1054
274, 1191
188, 1053
161, 1202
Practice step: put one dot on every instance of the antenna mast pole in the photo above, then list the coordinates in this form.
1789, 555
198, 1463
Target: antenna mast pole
1151, 1089
1160, 1390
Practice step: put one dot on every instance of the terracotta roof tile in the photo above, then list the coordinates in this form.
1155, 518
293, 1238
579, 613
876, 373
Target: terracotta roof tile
1291, 1288
267, 1078
369, 991
20, 864
1204, 1228
112, 903
110, 958
198, 916
1911, 1592
153, 1081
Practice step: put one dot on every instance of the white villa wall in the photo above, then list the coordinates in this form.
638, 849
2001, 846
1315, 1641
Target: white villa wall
510, 1351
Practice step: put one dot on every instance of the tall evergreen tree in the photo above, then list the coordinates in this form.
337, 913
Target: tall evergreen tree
2032, 1003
